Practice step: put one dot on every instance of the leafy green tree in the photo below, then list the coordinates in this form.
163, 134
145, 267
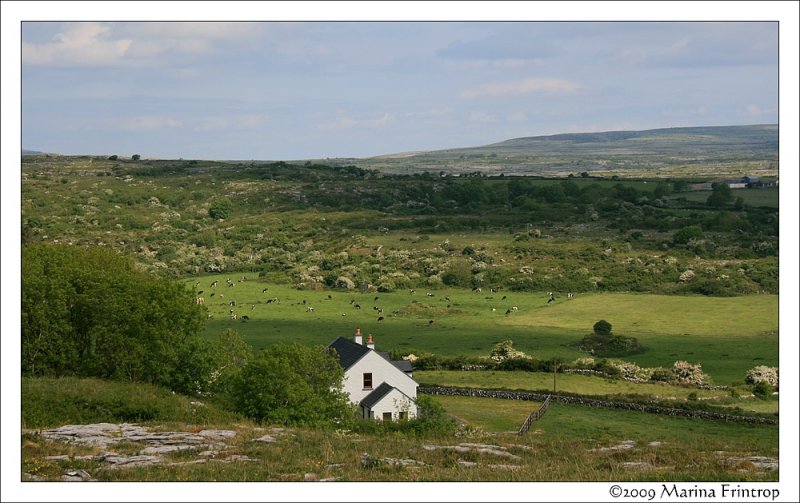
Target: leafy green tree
292, 384
720, 196
690, 233
136, 157
220, 208
92, 312
602, 327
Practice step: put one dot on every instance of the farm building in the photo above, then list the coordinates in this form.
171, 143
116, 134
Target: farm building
383, 388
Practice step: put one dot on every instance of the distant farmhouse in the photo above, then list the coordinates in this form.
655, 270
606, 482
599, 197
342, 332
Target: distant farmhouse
745, 182
384, 389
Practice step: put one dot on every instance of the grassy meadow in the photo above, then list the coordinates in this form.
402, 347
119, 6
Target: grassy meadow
570, 443
727, 335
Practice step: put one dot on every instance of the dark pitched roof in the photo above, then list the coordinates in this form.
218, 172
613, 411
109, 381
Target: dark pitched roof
349, 351
377, 394
403, 365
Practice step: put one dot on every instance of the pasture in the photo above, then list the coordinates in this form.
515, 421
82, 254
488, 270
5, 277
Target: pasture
727, 335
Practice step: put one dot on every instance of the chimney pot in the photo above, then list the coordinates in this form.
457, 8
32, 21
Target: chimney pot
370, 342
357, 337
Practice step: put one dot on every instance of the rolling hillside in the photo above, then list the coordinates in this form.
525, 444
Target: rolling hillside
723, 149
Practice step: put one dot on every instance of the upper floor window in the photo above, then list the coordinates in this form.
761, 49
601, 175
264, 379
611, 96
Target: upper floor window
368, 380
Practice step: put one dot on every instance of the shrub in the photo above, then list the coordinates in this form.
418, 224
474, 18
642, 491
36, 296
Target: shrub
762, 373
505, 350
688, 373
220, 208
661, 374
763, 390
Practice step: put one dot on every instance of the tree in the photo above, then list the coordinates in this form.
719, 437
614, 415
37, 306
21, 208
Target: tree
720, 196
136, 157
602, 327
690, 233
292, 384
91, 312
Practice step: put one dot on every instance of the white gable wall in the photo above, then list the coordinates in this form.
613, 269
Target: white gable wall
382, 371
394, 402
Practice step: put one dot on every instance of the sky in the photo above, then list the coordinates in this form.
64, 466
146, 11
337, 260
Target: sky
314, 89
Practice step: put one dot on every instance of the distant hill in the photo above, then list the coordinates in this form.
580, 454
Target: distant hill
723, 147
32, 152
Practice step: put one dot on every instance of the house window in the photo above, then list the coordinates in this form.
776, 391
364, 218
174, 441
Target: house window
368, 380
402, 415
387, 416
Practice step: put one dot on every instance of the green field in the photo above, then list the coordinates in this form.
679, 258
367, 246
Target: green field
727, 335
595, 386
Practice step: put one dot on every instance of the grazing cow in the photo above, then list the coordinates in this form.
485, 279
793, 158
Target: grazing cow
494, 290
493, 309
430, 322
264, 290
380, 318
309, 309
200, 292
329, 296
270, 301
508, 311
357, 306
514, 309
477, 289
199, 300
551, 298
412, 291
232, 303
245, 318
212, 294
304, 302
447, 299
569, 295
214, 284
376, 298
504, 297
232, 315
429, 294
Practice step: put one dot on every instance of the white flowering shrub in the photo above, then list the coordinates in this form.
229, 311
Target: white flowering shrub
689, 373
505, 350
686, 275
345, 282
762, 373
585, 362
629, 370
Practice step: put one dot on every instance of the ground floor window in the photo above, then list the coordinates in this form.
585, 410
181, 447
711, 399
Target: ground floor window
387, 416
402, 415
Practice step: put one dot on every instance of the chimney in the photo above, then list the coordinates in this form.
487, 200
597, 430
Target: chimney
357, 337
370, 342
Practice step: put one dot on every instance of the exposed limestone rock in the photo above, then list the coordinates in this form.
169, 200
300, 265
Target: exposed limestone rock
76, 476
494, 450
626, 444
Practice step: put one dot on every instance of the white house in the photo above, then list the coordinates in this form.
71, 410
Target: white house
383, 388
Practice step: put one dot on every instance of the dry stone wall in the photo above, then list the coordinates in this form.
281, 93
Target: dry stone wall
591, 402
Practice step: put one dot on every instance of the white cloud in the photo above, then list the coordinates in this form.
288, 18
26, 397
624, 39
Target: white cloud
530, 85
146, 123
348, 122
482, 117
516, 117
83, 44
753, 110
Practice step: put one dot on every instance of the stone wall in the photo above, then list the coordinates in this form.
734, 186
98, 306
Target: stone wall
591, 402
